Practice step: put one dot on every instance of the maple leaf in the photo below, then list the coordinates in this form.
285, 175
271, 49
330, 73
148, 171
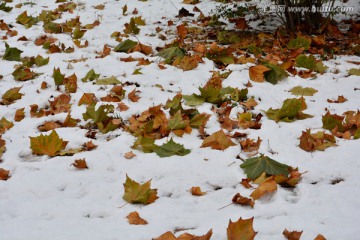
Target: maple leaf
26, 20
299, 42
245, 120
241, 230
4, 174
133, 97
187, 62
267, 186
11, 54
290, 111
303, 91
307, 62
129, 155
185, 236
2, 147
48, 126
320, 237
171, 148
58, 77
147, 144
71, 84
108, 81
340, 99
135, 219
218, 140
87, 99
49, 145
125, 46
139, 193
5, 125
316, 141
254, 167
170, 54
196, 191
90, 76
238, 199
199, 120
11, 96
250, 145
276, 73
293, 235
99, 115
80, 164
60, 104
23, 73
354, 71
256, 73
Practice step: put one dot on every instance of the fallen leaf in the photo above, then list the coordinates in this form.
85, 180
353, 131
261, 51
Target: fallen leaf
171, 148
316, 141
245, 182
5, 125
11, 54
254, 167
241, 230
80, 164
294, 235
196, 191
238, 199
185, 236
267, 186
11, 96
340, 99
290, 111
320, 237
250, 145
133, 95
4, 174
19, 115
218, 140
89, 146
139, 193
303, 91
256, 73
129, 155
50, 145
135, 219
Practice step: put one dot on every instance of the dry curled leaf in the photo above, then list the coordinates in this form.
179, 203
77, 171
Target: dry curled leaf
238, 199
340, 99
196, 191
4, 174
80, 164
294, 235
88, 146
133, 95
185, 236
135, 219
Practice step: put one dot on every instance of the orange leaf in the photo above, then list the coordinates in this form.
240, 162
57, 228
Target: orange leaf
80, 164
294, 235
249, 145
241, 230
218, 140
132, 95
19, 115
320, 237
122, 106
89, 146
4, 174
196, 191
246, 183
267, 186
135, 219
182, 31
340, 99
87, 99
48, 126
256, 73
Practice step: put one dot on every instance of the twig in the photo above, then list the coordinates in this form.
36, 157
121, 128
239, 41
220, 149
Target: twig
225, 206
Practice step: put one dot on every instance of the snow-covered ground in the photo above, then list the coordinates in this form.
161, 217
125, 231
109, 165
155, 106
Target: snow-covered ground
47, 198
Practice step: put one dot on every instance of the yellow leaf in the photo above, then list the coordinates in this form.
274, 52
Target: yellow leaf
49, 145
218, 140
241, 230
256, 73
267, 186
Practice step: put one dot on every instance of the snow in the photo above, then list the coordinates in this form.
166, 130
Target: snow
47, 198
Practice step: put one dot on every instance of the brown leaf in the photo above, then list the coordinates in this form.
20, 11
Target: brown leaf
105, 52
133, 95
249, 104
196, 191
135, 219
256, 73
44, 85
238, 199
249, 145
35, 113
182, 31
89, 146
316, 141
320, 237
340, 99
123, 107
147, 50
166, 236
294, 235
4, 174
19, 115
188, 62
185, 236
87, 99
240, 23
242, 229
80, 164
267, 186
48, 126
60, 104
218, 140
129, 155
246, 183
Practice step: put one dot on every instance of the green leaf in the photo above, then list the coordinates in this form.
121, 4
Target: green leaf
171, 148
299, 42
139, 21
78, 33
26, 20
90, 76
330, 121
147, 144
40, 61
254, 167
137, 193
23, 73
131, 28
12, 54
193, 100
58, 77
357, 134
300, 91
289, 111
137, 71
177, 122
199, 120
276, 73
320, 67
51, 27
307, 62
170, 54
354, 71
99, 115
5, 8
125, 46
108, 81
211, 94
